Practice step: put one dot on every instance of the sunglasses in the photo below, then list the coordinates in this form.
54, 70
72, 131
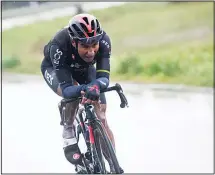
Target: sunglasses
90, 40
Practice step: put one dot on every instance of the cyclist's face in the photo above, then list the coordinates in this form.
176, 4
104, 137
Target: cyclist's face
88, 52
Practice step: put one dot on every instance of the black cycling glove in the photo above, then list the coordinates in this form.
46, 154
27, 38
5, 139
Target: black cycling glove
92, 92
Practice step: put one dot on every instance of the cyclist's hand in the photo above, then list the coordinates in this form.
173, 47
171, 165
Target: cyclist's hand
91, 94
85, 100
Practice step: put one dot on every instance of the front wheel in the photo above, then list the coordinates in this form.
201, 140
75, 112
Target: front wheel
102, 137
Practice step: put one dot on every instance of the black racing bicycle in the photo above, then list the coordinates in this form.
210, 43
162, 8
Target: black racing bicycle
94, 133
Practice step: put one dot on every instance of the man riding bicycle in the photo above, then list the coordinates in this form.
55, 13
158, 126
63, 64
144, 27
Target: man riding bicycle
68, 69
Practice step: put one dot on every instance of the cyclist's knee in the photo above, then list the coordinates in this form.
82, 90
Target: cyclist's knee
103, 108
103, 114
100, 110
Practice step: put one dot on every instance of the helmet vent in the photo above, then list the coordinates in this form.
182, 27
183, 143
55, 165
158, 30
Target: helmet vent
86, 20
85, 28
98, 27
80, 33
93, 24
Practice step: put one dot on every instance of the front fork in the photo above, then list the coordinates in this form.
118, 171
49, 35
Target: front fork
91, 116
87, 130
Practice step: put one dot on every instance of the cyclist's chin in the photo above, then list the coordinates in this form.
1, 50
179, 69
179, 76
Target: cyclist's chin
88, 59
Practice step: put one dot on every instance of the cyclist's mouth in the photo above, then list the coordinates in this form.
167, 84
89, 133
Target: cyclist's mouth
89, 58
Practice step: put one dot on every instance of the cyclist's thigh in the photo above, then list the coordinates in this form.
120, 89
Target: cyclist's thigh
49, 74
50, 77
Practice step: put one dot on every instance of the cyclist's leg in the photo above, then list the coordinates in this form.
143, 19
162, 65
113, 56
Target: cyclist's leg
100, 109
71, 150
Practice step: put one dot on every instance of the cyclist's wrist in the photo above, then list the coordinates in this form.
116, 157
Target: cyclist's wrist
94, 82
102, 82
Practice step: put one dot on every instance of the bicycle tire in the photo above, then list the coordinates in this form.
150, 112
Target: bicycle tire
99, 128
98, 149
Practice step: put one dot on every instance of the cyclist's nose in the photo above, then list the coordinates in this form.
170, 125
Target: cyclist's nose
91, 51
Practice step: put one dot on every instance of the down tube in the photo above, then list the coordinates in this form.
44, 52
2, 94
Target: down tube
91, 135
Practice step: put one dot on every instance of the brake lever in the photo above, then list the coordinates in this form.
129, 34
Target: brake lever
124, 101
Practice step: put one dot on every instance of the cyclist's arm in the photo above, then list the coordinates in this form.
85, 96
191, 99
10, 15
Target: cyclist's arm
103, 64
102, 72
63, 75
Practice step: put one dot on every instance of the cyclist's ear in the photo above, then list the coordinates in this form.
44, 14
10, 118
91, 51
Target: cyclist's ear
73, 43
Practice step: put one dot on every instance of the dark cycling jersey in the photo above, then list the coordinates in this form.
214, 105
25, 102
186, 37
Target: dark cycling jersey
60, 54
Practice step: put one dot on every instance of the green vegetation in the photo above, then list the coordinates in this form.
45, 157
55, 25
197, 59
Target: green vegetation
151, 42
10, 62
190, 64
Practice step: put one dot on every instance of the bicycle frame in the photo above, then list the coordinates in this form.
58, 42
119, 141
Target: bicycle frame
90, 118
89, 109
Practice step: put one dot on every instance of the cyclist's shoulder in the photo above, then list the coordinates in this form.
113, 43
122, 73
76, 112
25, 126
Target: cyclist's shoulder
60, 38
105, 42
105, 39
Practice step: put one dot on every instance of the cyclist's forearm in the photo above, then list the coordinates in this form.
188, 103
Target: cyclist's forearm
72, 91
69, 91
103, 82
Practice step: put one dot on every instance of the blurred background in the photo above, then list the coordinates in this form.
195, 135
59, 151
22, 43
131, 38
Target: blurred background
162, 54
164, 41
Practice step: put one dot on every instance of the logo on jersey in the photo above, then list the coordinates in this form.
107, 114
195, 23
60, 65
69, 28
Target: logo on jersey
107, 45
48, 77
57, 56
75, 65
102, 82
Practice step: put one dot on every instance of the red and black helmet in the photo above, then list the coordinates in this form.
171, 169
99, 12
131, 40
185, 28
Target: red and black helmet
85, 28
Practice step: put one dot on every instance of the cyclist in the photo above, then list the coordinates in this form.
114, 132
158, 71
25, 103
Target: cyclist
68, 69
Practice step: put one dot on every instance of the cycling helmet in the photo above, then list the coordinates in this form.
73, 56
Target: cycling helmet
85, 28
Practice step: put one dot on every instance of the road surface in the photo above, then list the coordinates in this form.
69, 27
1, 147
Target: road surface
161, 131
